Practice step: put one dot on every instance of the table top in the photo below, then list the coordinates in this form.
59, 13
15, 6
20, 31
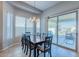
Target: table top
38, 41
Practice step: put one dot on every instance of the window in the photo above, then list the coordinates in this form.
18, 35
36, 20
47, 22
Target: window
19, 25
29, 26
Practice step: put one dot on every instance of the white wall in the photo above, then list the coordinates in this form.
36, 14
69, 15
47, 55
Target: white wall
62, 7
6, 8
1, 26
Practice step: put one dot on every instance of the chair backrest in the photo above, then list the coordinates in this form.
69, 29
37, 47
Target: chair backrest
44, 35
38, 34
23, 39
48, 41
49, 33
69, 36
27, 33
28, 41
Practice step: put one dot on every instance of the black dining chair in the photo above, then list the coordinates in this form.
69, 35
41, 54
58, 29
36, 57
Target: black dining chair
46, 47
27, 33
29, 45
69, 37
24, 43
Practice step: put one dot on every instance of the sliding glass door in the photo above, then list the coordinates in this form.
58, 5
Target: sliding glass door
64, 29
67, 30
52, 27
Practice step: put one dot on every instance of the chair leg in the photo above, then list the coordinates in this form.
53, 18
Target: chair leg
30, 53
44, 54
37, 53
27, 50
24, 48
50, 54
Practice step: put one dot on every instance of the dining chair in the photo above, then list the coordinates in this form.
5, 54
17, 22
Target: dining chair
38, 34
29, 45
69, 37
23, 43
46, 47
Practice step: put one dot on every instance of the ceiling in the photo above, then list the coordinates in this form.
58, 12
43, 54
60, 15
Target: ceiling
42, 5
23, 6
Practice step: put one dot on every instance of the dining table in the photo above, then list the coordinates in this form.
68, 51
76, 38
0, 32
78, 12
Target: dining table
37, 42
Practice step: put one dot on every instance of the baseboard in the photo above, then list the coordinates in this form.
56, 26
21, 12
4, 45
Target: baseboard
8, 47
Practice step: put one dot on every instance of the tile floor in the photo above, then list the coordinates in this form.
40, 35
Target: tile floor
16, 51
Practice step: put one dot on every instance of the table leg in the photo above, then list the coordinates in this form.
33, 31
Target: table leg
35, 51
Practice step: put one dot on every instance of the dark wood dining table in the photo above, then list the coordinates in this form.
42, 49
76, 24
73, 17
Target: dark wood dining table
36, 43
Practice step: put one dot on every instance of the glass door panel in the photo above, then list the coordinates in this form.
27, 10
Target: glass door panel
67, 30
52, 27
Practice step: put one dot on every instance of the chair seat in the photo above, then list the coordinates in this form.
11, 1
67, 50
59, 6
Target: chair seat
43, 49
32, 47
